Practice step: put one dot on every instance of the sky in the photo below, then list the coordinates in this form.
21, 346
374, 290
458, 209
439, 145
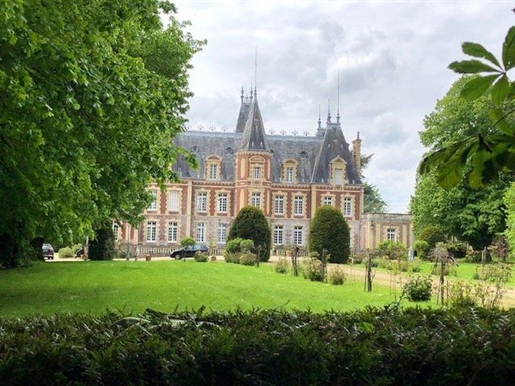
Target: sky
381, 64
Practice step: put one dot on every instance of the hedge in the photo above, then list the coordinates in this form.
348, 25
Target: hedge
388, 346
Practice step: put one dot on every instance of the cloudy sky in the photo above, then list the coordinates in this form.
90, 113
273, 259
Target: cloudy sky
391, 58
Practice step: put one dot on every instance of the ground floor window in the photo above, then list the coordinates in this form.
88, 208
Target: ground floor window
222, 233
172, 231
151, 231
298, 236
201, 233
278, 234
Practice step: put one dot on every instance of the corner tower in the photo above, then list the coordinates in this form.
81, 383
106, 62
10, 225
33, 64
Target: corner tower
253, 169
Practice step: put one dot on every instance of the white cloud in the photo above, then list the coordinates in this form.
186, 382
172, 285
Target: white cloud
391, 58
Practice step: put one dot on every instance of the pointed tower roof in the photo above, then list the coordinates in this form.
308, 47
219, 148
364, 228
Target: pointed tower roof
334, 147
254, 137
244, 112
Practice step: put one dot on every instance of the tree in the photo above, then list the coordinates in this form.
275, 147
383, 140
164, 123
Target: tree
251, 224
432, 235
484, 154
330, 231
373, 202
102, 245
92, 94
468, 214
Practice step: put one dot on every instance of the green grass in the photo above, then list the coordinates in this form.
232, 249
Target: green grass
131, 287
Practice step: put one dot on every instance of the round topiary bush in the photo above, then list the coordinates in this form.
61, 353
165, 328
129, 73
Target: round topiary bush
330, 231
251, 224
418, 288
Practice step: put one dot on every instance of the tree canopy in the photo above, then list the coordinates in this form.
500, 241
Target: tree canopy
470, 215
92, 94
486, 153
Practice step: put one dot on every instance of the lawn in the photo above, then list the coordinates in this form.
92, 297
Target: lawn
131, 287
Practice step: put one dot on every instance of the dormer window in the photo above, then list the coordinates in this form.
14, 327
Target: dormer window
289, 171
256, 172
213, 166
338, 171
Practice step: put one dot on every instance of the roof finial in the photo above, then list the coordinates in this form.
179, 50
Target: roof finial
329, 111
319, 118
338, 108
255, 74
242, 94
251, 90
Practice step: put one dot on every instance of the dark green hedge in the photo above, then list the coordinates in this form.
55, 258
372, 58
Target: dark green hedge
263, 347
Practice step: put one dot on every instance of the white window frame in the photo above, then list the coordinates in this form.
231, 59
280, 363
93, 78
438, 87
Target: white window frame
221, 202
116, 231
153, 204
328, 200
289, 173
222, 233
173, 200
151, 231
173, 231
213, 171
298, 205
255, 199
298, 235
278, 234
257, 172
202, 202
391, 234
338, 176
279, 204
347, 206
200, 234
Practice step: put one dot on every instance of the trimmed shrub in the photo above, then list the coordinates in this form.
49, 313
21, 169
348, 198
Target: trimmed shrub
418, 288
248, 258
337, 276
201, 257
312, 269
282, 266
432, 235
393, 250
65, 252
329, 230
251, 224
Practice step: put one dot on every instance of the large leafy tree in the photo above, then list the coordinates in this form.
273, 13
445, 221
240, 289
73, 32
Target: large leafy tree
251, 224
484, 154
92, 93
329, 230
468, 214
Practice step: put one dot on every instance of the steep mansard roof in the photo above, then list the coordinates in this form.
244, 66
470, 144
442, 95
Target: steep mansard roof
313, 155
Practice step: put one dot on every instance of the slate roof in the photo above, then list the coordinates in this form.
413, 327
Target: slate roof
312, 153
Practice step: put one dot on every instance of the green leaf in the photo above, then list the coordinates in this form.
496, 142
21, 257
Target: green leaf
471, 67
508, 50
498, 117
500, 90
478, 51
476, 87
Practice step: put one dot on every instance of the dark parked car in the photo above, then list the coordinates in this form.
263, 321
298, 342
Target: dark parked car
188, 251
48, 251
79, 253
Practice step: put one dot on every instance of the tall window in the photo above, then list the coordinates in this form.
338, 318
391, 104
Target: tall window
256, 172
255, 200
338, 177
222, 233
347, 206
391, 234
278, 234
172, 231
279, 205
153, 204
289, 174
116, 231
174, 200
151, 231
298, 205
202, 202
297, 236
213, 171
222, 202
200, 237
